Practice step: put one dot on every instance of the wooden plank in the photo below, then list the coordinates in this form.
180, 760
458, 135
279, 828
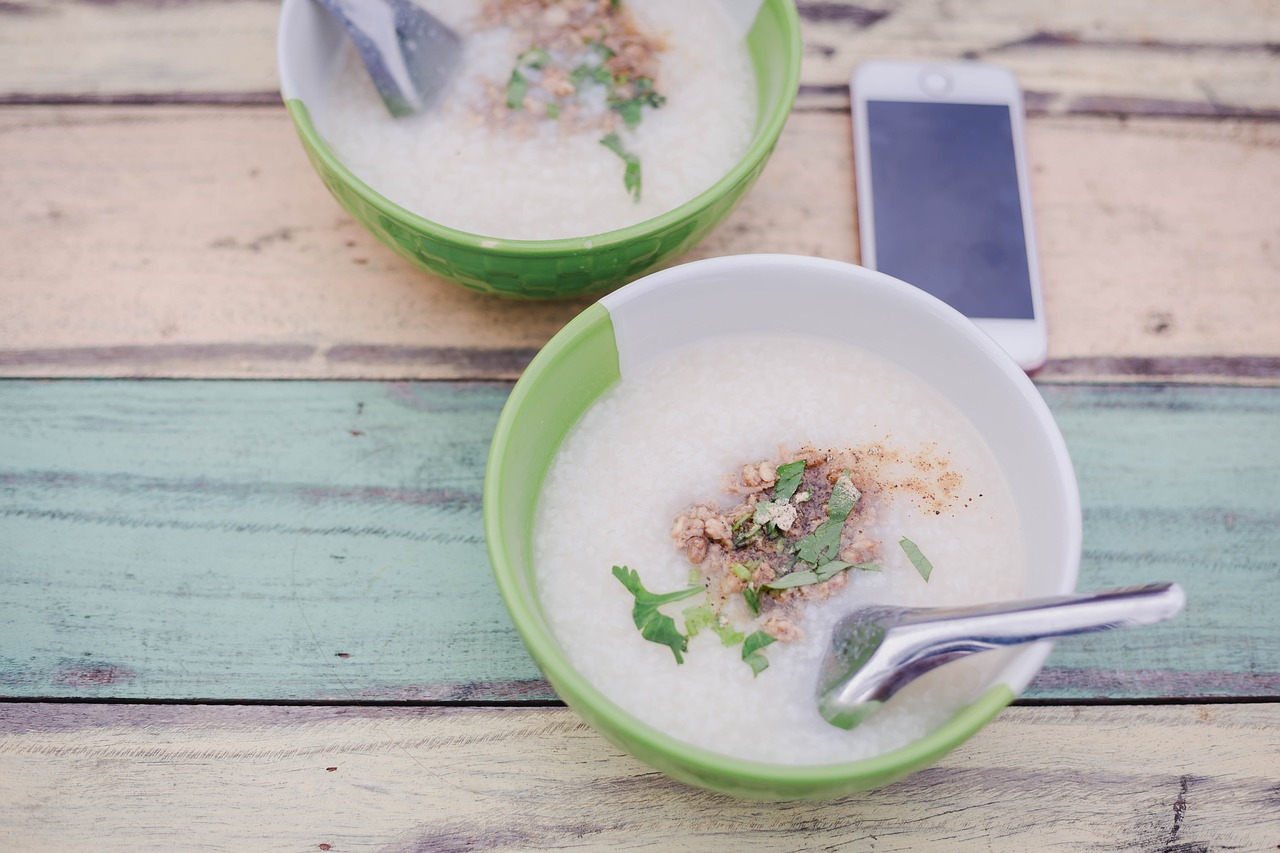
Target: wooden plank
225, 778
1169, 486
323, 541
55, 48
267, 539
1141, 57
197, 242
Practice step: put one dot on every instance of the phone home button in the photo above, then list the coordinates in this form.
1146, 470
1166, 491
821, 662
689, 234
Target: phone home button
935, 82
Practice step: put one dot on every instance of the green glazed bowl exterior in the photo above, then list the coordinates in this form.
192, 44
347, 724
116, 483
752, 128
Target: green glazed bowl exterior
549, 269
583, 361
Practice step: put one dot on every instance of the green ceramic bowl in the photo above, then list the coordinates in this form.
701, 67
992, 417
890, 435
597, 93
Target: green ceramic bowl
308, 42
739, 295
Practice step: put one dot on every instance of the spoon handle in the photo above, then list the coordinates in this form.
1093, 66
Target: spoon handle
1023, 621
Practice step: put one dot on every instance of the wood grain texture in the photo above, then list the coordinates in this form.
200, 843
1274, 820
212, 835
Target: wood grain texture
1135, 57
323, 541
107, 778
198, 242
1139, 57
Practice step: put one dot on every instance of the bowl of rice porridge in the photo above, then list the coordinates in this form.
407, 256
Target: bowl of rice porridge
705, 469
579, 144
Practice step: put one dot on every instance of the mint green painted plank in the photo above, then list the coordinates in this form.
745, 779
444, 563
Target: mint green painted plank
235, 539
322, 540
1178, 483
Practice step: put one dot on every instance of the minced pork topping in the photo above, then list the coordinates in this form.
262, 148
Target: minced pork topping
589, 67
798, 523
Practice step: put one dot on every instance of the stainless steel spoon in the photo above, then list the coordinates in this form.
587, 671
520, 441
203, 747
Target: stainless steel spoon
876, 651
409, 54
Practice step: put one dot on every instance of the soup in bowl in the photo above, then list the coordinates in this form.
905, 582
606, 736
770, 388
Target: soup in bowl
580, 143
707, 468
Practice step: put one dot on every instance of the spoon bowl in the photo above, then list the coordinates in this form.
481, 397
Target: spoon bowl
409, 53
876, 651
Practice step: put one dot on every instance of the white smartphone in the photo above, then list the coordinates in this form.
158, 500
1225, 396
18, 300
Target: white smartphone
943, 196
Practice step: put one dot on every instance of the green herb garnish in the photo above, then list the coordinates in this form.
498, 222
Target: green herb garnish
752, 597
629, 108
654, 625
702, 617
829, 570
789, 477
919, 560
601, 49
744, 530
631, 177
553, 111
823, 544
590, 73
534, 57
791, 580
823, 573
517, 86
751, 651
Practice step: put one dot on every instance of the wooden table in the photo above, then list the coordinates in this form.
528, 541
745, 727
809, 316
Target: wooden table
243, 615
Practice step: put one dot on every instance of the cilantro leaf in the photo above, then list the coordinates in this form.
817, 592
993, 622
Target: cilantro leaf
919, 560
601, 49
702, 616
843, 496
742, 537
631, 177
829, 570
824, 572
789, 477
742, 571
753, 600
517, 87
534, 57
698, 617
585, 73
823, 544
729, 636
629, 108
630, 112
792, 580
751, 651
655, 626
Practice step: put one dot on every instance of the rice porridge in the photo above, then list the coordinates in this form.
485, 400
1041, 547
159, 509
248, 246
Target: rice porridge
550, 131
695, 438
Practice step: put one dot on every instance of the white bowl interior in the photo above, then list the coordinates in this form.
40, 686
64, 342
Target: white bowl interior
308, 50
309, 41
739, 295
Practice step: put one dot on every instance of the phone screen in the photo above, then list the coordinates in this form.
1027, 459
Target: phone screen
947, 212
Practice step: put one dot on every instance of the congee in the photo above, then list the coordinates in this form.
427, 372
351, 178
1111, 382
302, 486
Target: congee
710, 517
568, 118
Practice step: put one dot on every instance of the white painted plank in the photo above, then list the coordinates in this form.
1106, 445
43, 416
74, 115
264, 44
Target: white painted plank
1161, 56
197, 242
132, 778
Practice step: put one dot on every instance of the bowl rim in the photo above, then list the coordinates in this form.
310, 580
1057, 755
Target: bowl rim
580, 693
764, 138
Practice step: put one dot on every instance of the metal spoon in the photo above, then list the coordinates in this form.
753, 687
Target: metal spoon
876, 651
409, 54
